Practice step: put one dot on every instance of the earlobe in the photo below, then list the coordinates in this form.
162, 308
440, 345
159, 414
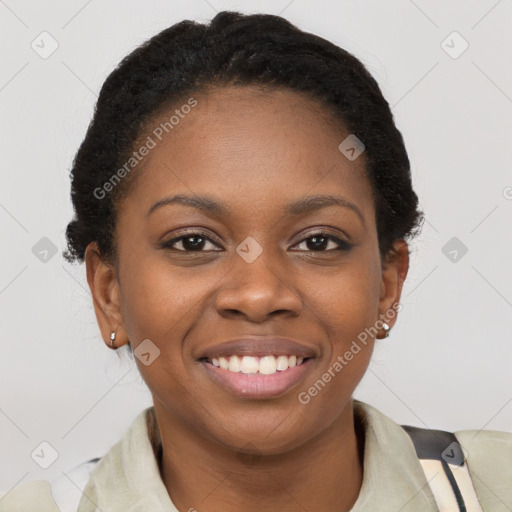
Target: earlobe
104, 286
394, 272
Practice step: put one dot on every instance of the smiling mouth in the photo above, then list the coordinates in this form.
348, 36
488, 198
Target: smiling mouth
265, 365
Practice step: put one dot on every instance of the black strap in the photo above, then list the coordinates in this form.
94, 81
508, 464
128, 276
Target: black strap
442, 446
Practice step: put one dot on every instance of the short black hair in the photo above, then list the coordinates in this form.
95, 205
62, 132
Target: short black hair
236, 49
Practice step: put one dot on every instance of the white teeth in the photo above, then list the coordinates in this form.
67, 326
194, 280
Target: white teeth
282, 363
234, 364
266, 365
249, 364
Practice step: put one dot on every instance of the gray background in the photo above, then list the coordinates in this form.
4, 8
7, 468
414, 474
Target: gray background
447, 363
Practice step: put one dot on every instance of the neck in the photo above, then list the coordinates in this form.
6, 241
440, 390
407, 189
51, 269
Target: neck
323, 474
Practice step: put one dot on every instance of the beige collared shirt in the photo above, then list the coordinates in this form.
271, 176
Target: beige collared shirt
127, 478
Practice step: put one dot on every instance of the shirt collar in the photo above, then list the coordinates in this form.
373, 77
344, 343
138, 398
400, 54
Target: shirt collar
127, 479
393, 477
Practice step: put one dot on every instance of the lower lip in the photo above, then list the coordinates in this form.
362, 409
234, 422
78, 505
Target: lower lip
256, 385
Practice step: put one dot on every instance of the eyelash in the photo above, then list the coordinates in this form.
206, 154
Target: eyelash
343, 245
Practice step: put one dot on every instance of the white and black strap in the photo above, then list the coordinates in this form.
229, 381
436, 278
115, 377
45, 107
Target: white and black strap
444, 464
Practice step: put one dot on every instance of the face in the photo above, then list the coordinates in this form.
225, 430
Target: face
247, 263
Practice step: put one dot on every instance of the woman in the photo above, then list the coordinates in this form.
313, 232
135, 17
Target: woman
243, 203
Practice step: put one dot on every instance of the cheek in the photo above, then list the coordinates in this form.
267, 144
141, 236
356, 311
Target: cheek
347, 302
161, 301
161, 305
158, 299
347, 308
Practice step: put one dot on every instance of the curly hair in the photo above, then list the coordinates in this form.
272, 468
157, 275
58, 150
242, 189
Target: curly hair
235, 49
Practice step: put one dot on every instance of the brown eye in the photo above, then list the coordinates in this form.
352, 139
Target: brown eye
190, 242
325, 242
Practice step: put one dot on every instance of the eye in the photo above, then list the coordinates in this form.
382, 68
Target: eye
193, 241
323, 242
197, 241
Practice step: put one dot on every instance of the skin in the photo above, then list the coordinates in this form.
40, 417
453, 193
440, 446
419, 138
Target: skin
265, 148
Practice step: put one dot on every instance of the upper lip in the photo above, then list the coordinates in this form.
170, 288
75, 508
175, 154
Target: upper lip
258, 346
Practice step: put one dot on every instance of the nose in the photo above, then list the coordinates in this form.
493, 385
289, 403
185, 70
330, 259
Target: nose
257, 291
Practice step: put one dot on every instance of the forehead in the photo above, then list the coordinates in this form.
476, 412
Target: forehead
254, 147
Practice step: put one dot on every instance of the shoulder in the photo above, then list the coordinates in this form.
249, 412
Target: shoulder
489, 441
488, 456
59, 495
487, 451
35, 495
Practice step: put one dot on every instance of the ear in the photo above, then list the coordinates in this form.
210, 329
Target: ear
106, 296
394, 271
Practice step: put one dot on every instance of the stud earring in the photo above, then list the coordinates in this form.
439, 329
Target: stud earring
112, 338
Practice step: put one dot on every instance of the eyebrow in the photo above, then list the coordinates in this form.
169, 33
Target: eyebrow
295, 208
